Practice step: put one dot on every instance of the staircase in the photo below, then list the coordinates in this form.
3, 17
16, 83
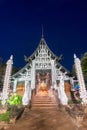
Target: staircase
44, 102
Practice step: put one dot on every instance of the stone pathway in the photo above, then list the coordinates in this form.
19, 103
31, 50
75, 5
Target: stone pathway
45, 114
40, 119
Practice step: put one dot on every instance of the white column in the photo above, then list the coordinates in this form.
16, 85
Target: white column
72, 83
6, 85
33, 75
30, 90
83, 92
53, 74
14, 86
62, 95
25, 99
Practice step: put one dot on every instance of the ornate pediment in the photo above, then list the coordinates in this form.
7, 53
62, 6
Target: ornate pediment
42, 51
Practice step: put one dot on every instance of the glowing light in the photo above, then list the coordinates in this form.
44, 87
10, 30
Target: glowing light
43, 91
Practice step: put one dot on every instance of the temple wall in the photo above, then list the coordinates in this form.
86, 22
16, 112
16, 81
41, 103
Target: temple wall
20, 89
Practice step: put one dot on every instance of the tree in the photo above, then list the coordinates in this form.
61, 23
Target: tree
1, 61
84, 66
2, 72
73, 70
84, 63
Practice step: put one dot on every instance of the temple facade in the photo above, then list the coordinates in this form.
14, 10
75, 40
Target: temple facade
42, 74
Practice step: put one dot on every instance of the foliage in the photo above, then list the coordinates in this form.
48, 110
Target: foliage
5, 116
15, 100
70, 101
84, 62
0, 102
84, 66
73, 71
14, 70
2, 72
79, 101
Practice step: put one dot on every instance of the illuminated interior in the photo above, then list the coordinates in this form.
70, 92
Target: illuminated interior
43, 90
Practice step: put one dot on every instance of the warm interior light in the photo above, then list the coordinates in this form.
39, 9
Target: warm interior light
43, 91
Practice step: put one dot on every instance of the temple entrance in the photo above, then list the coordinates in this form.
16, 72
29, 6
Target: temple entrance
43, 82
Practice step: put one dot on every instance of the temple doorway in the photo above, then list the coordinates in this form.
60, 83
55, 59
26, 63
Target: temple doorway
43, 82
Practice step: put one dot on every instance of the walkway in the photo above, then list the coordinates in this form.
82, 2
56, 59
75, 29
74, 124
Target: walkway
45, 115
44, 120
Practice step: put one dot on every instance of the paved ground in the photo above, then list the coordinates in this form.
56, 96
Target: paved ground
44, 120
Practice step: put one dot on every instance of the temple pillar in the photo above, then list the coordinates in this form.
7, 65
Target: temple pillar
83, 92
53, 74
62, 95
6, 85
27, 93
33, 75
15, 86
30, 90
72, 83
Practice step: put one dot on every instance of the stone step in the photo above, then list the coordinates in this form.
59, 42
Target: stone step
44, 103
42, 108
38, 102
48, 104
43, 99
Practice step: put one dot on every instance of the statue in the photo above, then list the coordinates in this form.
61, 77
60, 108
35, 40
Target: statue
43, 90
43, 86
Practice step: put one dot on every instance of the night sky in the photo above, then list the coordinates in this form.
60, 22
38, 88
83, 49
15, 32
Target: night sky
64, 23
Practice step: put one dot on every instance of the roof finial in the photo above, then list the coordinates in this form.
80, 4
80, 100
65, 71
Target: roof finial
42, 31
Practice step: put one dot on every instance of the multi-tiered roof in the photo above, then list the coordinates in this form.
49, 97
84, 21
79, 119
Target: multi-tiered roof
29, 59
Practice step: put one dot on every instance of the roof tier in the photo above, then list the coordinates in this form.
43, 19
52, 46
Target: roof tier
42, 44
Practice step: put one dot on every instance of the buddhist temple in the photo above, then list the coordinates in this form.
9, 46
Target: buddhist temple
41, 75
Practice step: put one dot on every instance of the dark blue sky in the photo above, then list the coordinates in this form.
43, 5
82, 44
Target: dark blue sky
64, 22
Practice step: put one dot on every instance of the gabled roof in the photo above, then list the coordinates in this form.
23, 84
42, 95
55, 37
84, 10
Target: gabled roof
42, 42
30, 58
